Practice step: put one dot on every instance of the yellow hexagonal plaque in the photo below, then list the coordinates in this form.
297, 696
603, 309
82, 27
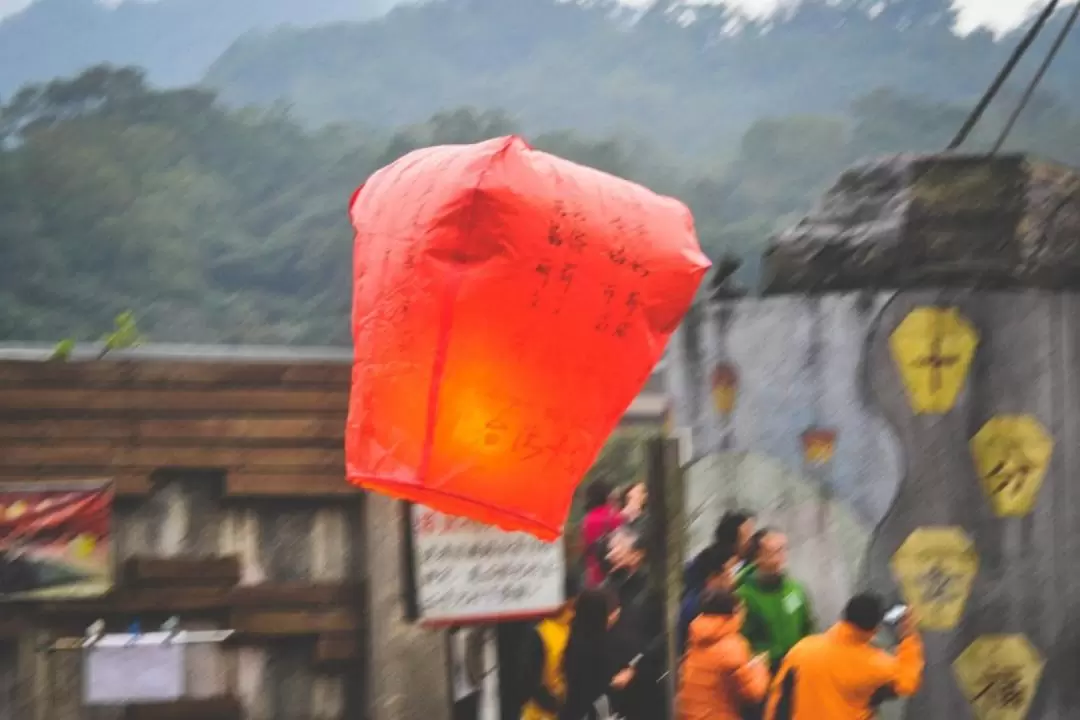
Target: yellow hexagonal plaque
935, 567
998, 675
933, 348
1011, 453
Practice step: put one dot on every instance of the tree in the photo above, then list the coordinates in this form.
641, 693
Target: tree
224, 225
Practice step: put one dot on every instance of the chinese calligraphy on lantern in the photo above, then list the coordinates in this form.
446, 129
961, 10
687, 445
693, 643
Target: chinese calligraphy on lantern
1011, 453
933, 349
935, 567
998, 675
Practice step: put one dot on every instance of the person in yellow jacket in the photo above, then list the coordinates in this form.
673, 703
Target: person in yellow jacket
839, 675
543, 682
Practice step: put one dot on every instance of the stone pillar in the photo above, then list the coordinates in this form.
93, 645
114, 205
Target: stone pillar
407, 669
988, 427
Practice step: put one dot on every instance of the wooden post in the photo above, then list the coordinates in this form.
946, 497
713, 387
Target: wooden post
664, 482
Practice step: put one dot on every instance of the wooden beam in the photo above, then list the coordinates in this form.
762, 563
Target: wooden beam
288, 623
146, 600
270, 595
116, 455
215, 571
221, 429
253, 484
218, 708
163, 401
103, 429
336, 648
165, 600
125, 484
192, 374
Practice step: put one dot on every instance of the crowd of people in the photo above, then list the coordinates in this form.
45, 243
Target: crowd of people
607, 643
748, 643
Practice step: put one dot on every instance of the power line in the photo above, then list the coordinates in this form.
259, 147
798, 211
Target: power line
1038, 77
1003, 75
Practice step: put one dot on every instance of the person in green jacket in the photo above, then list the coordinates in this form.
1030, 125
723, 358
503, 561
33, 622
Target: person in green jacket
778, 612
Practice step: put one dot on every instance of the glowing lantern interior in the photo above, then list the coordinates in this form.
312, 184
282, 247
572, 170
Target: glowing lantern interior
507, 307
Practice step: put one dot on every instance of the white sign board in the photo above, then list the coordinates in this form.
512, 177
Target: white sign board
469, 572
122, 674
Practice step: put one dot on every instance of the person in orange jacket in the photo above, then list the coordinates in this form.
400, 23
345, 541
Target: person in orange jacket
718, 674
839, 675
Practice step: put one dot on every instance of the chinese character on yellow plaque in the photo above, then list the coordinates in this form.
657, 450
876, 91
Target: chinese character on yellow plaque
998, 675
935, 567
819, 444
725, 386
933, 348
1011, 453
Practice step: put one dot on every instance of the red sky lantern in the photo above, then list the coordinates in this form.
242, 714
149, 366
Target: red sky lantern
508, 306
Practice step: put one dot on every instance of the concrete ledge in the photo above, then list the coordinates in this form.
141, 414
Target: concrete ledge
909, 221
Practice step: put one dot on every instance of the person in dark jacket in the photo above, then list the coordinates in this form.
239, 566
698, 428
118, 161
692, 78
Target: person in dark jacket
736, 528
740, 528
718, 564
639, 632
592, 664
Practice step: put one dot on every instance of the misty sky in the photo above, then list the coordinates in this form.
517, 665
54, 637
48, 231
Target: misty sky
996, 14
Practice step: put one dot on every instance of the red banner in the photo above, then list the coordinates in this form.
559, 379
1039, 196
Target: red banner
55, 541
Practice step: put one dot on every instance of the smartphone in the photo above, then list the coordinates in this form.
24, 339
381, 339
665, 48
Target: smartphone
894, 614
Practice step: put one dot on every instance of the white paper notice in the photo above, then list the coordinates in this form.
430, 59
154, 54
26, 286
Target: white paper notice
466, 571
140, 673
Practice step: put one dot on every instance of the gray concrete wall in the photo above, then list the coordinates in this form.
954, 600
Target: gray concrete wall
825, 362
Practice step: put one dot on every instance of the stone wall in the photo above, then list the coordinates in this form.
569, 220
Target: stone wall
827, 362
926, 331
797, 367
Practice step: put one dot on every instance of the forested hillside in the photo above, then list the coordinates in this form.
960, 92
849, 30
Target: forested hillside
687, 76
223, 225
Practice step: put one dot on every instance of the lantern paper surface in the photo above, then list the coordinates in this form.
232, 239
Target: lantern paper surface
507, 308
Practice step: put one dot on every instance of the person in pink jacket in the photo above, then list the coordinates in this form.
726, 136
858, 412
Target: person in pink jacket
602, 519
